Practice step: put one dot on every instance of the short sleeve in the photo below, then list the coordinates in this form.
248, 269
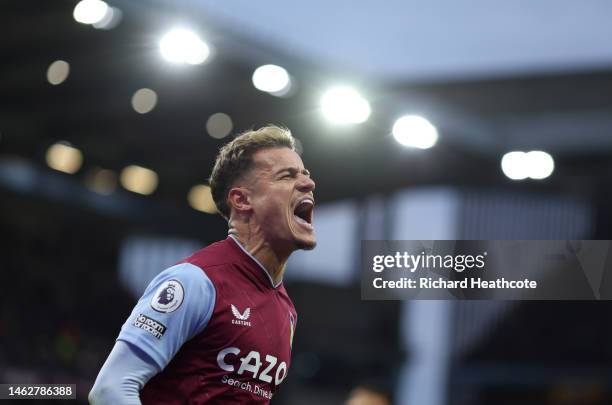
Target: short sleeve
175, 307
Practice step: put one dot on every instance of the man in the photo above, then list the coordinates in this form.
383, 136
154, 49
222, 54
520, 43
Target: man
217, 328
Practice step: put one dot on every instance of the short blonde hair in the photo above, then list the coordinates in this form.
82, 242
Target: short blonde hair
236, 158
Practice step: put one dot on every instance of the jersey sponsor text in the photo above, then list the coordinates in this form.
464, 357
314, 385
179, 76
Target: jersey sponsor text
252, 363
152, 326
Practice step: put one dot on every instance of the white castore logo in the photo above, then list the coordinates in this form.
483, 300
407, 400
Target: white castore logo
241, 318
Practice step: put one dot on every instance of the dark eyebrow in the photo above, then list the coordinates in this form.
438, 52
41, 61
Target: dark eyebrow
293, 171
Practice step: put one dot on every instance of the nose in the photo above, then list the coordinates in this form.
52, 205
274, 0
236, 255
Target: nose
305, 184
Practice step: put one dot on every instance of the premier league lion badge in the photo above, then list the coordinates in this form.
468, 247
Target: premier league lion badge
168, 297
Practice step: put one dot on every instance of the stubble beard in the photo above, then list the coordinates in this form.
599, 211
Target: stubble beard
305, 245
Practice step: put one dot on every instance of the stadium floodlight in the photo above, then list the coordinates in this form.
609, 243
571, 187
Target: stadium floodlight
144, 101
200, 198
344, 105
183, 46
58, 72
64, 157
110, 20
271, 79
535, 165
514, 165
139, 179
540, 164
90, 11
219, 125
415, 132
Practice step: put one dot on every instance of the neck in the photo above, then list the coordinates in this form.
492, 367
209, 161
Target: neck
273, 260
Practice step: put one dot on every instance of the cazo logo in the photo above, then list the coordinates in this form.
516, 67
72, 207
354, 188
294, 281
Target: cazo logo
241, 318
252, 363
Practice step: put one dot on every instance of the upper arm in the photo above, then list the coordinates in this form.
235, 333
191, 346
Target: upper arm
176, 306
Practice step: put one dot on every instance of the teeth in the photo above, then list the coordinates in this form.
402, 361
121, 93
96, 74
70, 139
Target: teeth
302, 221
306, 201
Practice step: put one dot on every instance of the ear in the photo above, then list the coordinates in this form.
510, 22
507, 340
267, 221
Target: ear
239, 199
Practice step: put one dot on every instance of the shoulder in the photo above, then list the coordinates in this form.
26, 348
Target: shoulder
184, 273
217, 255
177, 284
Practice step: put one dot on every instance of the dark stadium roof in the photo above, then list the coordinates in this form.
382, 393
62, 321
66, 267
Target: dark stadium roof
567, 113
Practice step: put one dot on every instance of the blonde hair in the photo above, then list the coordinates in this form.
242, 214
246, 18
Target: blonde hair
236, 158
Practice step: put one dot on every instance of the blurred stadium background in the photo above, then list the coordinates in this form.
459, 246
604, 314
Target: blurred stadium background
108, 134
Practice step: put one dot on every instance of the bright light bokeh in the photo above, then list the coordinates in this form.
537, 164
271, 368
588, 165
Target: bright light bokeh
139, 179
64, 158
110, 20
200, 198
58, 72
183, 46
514, 165
90, 11
540, 164
536, 165
415, 132
219, 125
144, 101
344, 105
271, 79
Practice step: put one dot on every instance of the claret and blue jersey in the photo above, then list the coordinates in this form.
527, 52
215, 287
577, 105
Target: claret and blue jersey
217, 327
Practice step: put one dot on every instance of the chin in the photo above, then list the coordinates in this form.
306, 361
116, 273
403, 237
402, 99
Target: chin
306, 244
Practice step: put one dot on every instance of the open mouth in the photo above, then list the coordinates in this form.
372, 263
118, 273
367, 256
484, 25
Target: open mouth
303, 212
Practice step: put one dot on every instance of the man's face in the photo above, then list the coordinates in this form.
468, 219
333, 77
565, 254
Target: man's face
281, 196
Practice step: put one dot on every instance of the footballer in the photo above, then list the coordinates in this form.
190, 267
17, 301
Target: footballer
217, 327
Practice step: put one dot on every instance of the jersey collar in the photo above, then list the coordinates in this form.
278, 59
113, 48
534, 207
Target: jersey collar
261, 266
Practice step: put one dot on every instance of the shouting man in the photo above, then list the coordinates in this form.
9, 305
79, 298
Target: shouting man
217, 328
